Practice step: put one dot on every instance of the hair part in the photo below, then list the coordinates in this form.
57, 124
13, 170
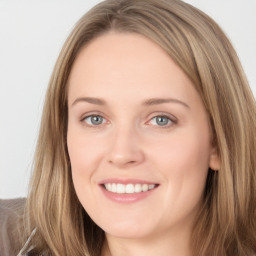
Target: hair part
226, 224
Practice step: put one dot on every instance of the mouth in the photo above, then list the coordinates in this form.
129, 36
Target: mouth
127, 190
130, 188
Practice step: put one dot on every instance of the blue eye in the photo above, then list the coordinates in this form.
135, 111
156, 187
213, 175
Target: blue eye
94, 120
161, 121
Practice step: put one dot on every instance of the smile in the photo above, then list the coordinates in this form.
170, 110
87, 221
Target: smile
128, 188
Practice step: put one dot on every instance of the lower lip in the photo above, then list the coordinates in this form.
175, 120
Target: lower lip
127, 198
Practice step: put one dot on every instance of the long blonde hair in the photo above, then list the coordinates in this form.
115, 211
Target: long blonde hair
227, 222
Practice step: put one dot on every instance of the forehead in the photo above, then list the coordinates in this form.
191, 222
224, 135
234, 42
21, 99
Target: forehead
126, 63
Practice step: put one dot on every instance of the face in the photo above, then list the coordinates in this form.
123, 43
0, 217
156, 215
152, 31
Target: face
139, 138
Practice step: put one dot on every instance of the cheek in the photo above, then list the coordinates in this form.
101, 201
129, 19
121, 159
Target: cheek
184, 151
183, 162
83, 155
83, 152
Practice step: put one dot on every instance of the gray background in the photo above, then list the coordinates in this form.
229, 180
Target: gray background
31, 35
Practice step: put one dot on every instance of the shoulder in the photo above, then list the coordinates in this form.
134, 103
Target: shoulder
11, 212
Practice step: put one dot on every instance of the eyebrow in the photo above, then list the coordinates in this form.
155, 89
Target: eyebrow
148, 102
157, 101
95, 101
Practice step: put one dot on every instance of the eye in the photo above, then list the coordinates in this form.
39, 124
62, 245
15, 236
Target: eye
94, 120
161, 120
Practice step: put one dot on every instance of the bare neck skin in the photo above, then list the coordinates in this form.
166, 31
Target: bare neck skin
175, 243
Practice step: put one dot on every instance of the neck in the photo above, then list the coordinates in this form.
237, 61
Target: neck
176, 245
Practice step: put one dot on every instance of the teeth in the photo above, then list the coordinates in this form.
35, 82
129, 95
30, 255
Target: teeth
129, 188
144, 187
138, 188
120, 188
151, 186
109, 187
113, 187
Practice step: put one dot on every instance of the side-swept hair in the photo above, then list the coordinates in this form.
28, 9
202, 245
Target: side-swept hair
226, 224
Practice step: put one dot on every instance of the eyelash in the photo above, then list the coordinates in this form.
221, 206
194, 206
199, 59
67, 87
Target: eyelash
83, 120
171, 120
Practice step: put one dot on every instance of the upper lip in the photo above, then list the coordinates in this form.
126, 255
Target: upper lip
126, 181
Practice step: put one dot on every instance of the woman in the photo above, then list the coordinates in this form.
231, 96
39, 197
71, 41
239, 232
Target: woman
147, 142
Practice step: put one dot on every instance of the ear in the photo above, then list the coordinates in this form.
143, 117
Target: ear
214, 162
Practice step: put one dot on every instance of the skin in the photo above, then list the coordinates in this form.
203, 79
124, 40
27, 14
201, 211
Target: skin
126, 70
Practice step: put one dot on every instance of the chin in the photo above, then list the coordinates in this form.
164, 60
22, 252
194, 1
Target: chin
128, 233
128, 229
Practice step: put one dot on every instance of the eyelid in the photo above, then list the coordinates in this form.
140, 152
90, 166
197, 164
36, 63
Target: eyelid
93, 113
172, 118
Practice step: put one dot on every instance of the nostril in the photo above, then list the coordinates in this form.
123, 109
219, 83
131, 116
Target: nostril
125, 156
122, 162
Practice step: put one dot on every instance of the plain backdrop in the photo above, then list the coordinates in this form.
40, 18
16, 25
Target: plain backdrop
31, 35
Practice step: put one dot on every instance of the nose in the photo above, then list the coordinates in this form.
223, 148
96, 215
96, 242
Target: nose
125, 149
